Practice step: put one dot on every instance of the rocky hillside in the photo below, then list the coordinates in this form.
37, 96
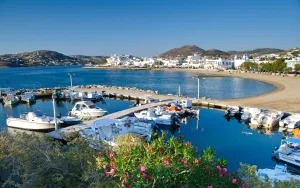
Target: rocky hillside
94, 59
215, 53
45, 58
183, 51
256, 52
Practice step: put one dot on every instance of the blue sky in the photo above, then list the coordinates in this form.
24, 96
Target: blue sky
146, 27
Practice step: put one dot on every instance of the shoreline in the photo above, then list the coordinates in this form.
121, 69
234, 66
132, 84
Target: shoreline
285, 96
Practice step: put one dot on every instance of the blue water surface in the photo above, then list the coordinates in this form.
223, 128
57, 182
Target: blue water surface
163, 81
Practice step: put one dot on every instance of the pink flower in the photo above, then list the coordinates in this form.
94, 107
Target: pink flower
224, 170
166, 162
111, 155
234, 181
105, 172
112, 171
244, 186
126, 174
184, 162
209, 186
143, 169
144, 175
218, 167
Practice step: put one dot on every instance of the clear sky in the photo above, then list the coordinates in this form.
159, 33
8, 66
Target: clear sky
146, 27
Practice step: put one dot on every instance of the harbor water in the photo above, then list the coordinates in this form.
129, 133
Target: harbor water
164, 82
232, 140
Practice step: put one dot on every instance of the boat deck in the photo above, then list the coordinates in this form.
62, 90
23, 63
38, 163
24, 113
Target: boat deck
62, 133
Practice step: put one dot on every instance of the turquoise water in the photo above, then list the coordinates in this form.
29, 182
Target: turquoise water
163, 81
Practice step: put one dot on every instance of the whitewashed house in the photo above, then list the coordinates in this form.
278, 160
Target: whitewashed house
293, 62
239, 61
194, 61
219, 64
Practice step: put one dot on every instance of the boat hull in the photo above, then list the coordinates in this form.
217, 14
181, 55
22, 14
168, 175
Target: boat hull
88, 113
23, 124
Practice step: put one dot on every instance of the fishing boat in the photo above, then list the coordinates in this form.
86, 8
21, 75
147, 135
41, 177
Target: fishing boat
233, 111
94, 96
87, 109
279, 173
291, 122
289, 151
10, 99
32, 121
165, 119
28, 97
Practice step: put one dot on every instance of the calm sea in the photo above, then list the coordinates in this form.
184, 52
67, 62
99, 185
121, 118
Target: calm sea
163, 81
233, 141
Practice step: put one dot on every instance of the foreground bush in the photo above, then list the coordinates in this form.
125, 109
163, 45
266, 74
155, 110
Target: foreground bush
166, 163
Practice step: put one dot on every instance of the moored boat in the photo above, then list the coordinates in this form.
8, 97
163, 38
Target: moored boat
289, 151
10, 99
32, 121
28, 97
87, 109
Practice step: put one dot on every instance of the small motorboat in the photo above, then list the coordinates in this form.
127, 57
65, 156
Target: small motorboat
233, 111
10, 99
270, 119
279, 173
87, 109
289, 151
249, 112
33, 121
70, 120
290, 121
94, 96
28, 97
165, 119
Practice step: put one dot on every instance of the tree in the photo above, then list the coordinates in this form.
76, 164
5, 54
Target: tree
279, 65
267, 67
249, 65
288, 69
102, 62
297, 67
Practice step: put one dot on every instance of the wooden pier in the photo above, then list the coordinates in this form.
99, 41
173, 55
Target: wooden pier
62, 133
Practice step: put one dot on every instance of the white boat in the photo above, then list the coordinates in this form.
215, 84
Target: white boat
10, 99
32, 121
270, 119
249, 112
28, 97
290, 121
233, 111
90, 96
150, 114
70, 120
289, 151
87, 109
279, 173
108, 129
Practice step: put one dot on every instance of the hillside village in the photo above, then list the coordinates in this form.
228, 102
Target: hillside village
195, 57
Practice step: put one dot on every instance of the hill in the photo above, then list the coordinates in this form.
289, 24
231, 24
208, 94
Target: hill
94, 59
257, 52
183, 51
45, 58
215, 53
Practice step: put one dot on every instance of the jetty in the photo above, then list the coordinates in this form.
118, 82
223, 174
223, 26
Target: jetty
60, 134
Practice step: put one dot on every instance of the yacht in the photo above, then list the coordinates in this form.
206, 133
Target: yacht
289, 151
291, 122
87, 109
10, 99
164, 119
279, 173
28, 97
32, 121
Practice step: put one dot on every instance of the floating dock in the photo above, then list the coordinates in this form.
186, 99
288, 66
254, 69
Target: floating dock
62, 133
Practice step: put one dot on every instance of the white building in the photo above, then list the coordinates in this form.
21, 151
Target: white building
172, 62
219, 64
116, 60
238, 62
194, 61
293, 62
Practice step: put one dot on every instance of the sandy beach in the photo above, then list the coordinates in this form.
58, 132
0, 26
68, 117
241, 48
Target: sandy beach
286, 96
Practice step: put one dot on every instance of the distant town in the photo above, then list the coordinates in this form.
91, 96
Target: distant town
189, 56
